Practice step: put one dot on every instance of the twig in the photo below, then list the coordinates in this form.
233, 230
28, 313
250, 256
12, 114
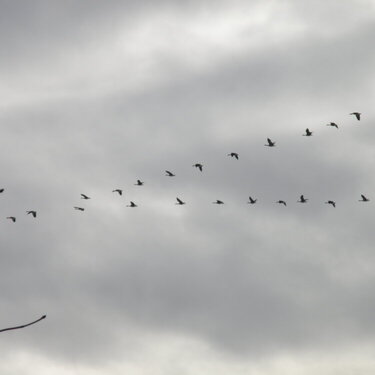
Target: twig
25, 325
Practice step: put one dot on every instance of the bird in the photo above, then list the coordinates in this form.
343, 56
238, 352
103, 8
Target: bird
12, 218
281, 202
139, 183
84, 196
270, 143
333, 124
2, 190
331, 203
364, 199
32, 212
199, 166
79, 208
180, 202
252, 201
357, 115
308, 133
233, 155
117, 191
169, 174
302, 199
218, 202
132, 204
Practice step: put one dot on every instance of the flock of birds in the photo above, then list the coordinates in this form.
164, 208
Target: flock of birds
199, 166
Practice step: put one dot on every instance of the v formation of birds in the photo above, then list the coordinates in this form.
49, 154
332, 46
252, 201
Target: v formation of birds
199, 166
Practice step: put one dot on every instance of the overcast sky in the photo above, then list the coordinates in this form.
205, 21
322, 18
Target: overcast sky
97, 94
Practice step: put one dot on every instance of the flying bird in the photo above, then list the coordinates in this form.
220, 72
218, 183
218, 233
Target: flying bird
331, 203
270, 143
281, 202
364, 199
218, 202
333, 124
169, 174
302, 199
199, 166
12, 218
132, 204
357, 115
252, 201
84, 196
32, 212
2, 190
139, 183
79, 208
233, 155
308, 133
119, 191
179, 202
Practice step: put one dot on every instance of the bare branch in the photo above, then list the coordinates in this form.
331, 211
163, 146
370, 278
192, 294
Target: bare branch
25, 325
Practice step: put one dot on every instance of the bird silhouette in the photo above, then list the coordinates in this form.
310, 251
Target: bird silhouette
308, 133
233, 155
79, 208
281, 202
32, 212
84, 196
12, 218
302, 199
119, 191
333, 124
169, 174
132, 204
270, 143
364, 199
180, 202
331, 203
139, 183
252, 201
218, 202
2, 190
199, 166
357, 115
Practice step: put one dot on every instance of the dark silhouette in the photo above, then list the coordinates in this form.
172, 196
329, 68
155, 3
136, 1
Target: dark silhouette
357, 115
179, 202
199, 166
252, 201
281, 202
79, 208
331, 203
364, 199
218, 202
132, 204
333, 124
84, 196
139, 183
12, 218
270, 143
119, 191
169, 174
308, 133
233, 155
302, 199
24, 325
32, 213
2, 190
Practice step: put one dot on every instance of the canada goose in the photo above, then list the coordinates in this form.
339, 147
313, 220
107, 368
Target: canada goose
357, 115
331, 203
270, 143
169, 174
132, 204
84, 196
233, 155
281, 202
180, 202
12, 218
117, 191
218, 202
308, 133
139, 183
252, 201
199, 166
79, 208
364, 199
302, 199
333, 124
32, 213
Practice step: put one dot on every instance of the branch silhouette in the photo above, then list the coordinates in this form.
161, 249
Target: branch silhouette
25, 325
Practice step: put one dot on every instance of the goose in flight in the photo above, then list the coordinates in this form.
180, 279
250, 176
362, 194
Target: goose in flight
119, 191
233, 155
12, 218
252, 201
281, 202
357, 115
218, 202
308, 133
32, 212
199, 166
270, 143
364, 199
169, 174
333, 124
139, 183
79, 208
331, 203
302, 199
132, 204
180, 202
84, 196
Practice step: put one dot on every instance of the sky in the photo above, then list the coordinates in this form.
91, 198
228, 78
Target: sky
95, 95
